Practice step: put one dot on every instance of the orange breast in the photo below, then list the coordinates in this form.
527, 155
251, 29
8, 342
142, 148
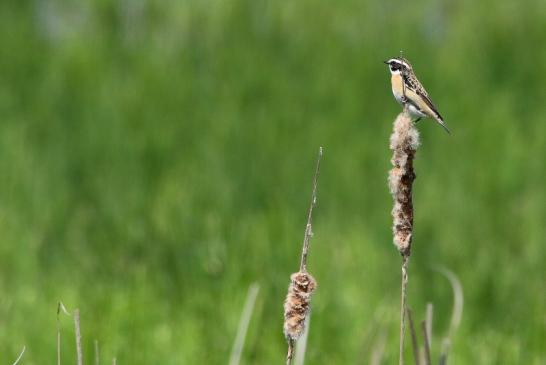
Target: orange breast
396, 82
397, 91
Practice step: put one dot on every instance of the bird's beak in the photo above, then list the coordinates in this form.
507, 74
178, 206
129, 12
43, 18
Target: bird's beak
386, 62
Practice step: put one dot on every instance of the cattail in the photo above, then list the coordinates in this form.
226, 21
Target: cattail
296, 306
302, 284
404, 143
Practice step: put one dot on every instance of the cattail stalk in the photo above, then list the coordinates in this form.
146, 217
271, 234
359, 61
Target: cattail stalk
403, 306
302, 284
404, 142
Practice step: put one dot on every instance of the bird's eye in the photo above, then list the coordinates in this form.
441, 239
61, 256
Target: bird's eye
394, 66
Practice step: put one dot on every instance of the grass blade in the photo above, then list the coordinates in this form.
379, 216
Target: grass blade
20, 355
248, 308
79, 351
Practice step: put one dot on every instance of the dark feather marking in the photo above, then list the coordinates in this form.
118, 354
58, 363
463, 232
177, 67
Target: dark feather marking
414, 85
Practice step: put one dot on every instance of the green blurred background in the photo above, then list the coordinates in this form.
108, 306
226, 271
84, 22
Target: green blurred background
157, 157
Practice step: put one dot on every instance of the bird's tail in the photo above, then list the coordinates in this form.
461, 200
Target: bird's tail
440, 121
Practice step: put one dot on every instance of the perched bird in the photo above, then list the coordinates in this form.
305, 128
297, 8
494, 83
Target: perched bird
407, 89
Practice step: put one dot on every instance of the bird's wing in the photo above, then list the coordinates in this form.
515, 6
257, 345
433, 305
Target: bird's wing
413, 84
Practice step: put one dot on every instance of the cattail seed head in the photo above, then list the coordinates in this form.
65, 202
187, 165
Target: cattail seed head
297, 304
404, 143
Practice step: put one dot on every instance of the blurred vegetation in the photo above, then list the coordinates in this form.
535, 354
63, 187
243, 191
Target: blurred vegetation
156, 158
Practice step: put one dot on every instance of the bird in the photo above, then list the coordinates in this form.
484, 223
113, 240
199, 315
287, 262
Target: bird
407, 89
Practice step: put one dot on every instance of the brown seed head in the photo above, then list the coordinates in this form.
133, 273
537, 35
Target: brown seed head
297, 304
404, 143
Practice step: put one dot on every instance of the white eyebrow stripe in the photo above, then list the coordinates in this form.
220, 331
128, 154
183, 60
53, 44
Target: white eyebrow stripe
398, 61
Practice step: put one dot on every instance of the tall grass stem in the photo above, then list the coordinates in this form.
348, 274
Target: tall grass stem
20, 355
79, 351
244, 321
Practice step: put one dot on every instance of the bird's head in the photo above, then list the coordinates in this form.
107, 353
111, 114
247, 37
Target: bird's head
397, 65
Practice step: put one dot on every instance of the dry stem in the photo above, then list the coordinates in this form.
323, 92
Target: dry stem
308, 228
403, 306
290, 353
414, 343
428, 360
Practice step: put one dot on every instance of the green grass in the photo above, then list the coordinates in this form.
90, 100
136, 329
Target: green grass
153, 167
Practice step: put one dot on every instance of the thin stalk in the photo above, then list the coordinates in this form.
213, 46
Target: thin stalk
428, 360
79, 351
60, 309
290, 353
97, 357
58, 335
403, 306
414, 343
248, 308
429, 317
302, 285
20, 356
308, 228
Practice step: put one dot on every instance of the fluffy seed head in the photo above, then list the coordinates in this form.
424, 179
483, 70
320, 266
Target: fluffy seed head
297, 304
404, 143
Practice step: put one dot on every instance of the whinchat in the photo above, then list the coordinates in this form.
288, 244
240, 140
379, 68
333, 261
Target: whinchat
408, 90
